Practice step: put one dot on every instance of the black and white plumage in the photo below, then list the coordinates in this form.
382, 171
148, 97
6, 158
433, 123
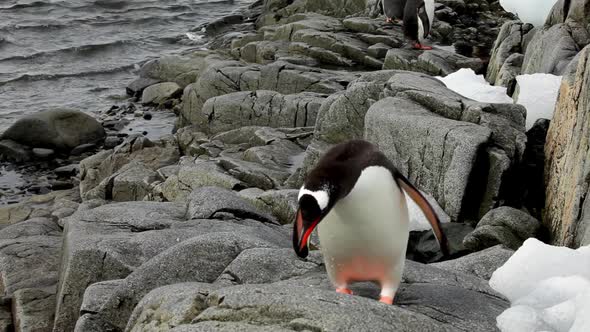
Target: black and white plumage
418, 21
355, 197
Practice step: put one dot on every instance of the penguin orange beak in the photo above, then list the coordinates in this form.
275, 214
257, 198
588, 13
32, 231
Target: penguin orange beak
302, 233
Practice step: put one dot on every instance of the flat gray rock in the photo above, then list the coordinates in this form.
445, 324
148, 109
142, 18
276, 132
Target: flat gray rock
199, 259
173, 304
261, 108
480, 264
280, 203
194, 175
29, 255
212, 202
223, 76
267, 265
434, 62
96, 172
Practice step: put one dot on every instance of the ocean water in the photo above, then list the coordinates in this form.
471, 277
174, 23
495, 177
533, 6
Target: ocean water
82, 53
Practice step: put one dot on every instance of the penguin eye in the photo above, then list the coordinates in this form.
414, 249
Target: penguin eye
309, 207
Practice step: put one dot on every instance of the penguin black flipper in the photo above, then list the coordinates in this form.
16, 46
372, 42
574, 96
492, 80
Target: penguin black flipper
379, 159
429, 212
425, 20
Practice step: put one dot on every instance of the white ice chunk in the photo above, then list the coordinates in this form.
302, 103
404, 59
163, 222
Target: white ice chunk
561, 316
519, 319
529, 11
466, 83
552, 291
538, 94
534, 262
582, 322
548, 287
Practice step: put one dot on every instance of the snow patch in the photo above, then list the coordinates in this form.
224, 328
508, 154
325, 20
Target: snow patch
466, 83
538, 94
529, 11
548, 287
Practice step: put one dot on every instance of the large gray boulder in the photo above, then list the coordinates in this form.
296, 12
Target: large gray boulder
508, 43
451, 146
504, 225
553, 48
60, 129
490, 136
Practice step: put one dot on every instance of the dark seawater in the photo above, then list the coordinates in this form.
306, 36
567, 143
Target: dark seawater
82, 53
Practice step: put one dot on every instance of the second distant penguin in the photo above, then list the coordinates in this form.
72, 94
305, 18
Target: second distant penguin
418, 19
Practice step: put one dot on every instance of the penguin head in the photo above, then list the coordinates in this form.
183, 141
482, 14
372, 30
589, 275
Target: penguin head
314, 205
332, 178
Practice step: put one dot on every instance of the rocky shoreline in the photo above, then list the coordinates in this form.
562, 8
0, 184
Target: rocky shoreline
190, 231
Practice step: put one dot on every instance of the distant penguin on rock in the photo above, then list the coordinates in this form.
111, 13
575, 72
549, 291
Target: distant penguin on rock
393, 10
355, 197
418, 19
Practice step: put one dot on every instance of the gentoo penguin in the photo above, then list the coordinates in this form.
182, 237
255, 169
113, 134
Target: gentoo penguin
354, 196
393, 10
418, 19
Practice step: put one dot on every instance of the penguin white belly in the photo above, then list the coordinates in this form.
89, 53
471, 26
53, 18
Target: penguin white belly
420, 31
364, 237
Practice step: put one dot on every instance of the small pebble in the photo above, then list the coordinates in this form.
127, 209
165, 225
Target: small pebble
111, 141
80, 149
147, 116
43, 153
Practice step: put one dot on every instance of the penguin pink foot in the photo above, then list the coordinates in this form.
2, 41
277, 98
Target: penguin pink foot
386, 299
418, 46
388, 20
343, 290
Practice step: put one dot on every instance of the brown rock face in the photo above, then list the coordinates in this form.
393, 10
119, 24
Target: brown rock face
567, 164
